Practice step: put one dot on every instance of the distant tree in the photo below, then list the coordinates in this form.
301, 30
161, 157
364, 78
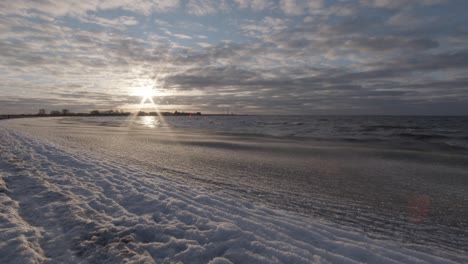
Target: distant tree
198, 113
42, 112
55, 112
94, 112
65, 112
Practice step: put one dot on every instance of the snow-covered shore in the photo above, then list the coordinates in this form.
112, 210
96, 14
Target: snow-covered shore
60, 205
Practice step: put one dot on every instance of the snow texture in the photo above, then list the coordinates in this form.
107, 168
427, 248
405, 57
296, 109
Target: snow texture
59, 205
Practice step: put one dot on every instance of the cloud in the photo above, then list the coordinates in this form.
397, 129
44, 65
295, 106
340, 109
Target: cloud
347, 58
80, 8
300, 7
255, 4
181, 36
145, 7
127, 20
206, 7
119, 23
204, 44
394, 4
267, 26
372, 44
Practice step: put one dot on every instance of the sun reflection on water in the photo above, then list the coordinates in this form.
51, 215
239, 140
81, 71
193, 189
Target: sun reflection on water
149, 90
149, 121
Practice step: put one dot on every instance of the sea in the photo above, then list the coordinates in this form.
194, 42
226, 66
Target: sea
450, 132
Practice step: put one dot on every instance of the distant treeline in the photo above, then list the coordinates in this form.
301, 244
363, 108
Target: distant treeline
66, 112
122, 113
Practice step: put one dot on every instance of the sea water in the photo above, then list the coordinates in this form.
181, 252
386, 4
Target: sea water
436, 131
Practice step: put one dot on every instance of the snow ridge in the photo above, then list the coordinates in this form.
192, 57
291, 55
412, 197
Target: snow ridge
61, 206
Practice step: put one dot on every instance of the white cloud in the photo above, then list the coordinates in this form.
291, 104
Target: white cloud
266, 27
118, 23
276, 24
255, 4
128, 21
291, 7
181, 36
300, 7
206, 7
54, 8
145, 7
176, 35
394, 4
204, 44
80, 8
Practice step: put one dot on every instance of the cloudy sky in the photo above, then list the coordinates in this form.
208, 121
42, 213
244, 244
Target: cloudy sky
257, 56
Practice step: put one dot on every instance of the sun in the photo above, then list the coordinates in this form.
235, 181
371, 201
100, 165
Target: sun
146, 93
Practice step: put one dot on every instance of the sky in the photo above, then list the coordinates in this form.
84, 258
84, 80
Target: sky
363, 57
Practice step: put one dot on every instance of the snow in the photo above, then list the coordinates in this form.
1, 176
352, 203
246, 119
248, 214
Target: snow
62, 205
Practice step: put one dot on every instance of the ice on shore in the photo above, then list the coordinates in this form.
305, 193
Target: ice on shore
63, 206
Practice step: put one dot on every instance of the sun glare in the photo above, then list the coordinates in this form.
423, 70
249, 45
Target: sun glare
145, 92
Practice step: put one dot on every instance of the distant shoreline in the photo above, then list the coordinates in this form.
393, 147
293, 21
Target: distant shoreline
3, 117
15, 116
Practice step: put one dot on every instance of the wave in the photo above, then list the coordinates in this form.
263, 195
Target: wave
395, 127
422, 136
421, 130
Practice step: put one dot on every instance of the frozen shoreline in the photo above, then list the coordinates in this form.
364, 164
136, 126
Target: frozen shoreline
66, 205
